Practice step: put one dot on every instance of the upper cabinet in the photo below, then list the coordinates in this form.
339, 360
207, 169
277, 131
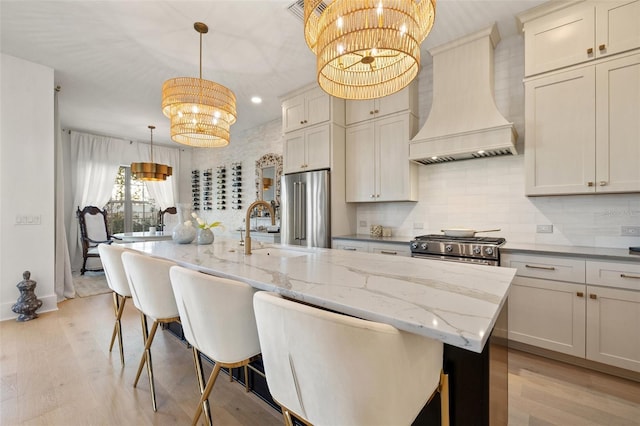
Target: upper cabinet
405, 99
557, 35
308, 149
309, 106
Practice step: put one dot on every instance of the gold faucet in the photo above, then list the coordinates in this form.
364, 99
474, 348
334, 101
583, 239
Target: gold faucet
247, 238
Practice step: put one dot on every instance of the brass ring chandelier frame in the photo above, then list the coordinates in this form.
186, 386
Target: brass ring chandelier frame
367, 48
201, 111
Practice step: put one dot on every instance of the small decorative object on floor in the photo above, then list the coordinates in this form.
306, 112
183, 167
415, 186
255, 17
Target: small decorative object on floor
184, 232
205, 235
27, 303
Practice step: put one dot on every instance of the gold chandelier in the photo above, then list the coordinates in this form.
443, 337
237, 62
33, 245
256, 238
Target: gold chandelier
151, 171
367, 48
201, 111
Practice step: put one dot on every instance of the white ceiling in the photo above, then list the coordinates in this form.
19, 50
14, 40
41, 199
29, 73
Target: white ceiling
111, 57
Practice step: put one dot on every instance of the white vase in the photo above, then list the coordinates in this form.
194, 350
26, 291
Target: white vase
205, 236
183, 234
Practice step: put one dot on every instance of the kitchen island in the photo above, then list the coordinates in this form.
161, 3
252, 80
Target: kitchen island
455, 303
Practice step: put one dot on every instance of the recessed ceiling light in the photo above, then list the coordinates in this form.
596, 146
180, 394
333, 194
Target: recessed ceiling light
256, 100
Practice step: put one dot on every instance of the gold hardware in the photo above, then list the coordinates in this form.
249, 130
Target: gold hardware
593, 296
548, 268
637, 277
371, 112
589, 183
602, 47
376, 111
590, 51
603, 183
272, 214
580, 294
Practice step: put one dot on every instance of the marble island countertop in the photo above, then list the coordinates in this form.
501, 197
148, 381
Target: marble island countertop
452, 302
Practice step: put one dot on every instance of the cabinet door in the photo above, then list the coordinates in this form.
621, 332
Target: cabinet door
618, 124
350, 245
560, 39
390, 249
560, 133
393, 103
613, 321
617, 26
318, 109
393, 181
294, 152
359, 163
548, 314
357, 111
293, 113
318, 148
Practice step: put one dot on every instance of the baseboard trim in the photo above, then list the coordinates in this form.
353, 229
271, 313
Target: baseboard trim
580, 362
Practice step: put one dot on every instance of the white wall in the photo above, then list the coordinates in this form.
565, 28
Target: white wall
489, 193
26, 180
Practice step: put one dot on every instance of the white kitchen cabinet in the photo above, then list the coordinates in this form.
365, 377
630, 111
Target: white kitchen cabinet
386, 248
403, 100
377, 160
351, 245
309, 106
582, 129
558, 36
545, 310
585, 308
307, 149
613, 313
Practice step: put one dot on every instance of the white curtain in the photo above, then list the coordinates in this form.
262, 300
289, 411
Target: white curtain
63, 282
96, 160
164, 192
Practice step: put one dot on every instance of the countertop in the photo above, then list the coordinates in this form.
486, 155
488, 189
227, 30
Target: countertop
455, 303
601, 253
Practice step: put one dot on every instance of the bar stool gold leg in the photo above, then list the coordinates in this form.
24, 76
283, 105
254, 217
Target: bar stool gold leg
146, 358
200, 375
118, 306
206, 392
444, 399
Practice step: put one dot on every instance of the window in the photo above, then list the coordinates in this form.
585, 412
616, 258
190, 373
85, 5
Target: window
130, 209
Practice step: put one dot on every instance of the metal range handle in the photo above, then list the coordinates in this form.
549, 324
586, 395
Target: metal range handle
548, 268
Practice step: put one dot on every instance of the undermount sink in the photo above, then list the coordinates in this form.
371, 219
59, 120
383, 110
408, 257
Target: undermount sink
276, 252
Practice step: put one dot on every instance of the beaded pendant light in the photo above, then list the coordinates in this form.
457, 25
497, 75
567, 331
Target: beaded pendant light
367, 48
201, 111
151, 171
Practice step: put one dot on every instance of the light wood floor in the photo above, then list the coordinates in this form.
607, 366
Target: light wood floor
57, 370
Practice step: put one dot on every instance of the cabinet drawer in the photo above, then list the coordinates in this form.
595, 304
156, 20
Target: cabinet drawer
546, 267
614, 274
391, 249
351, 245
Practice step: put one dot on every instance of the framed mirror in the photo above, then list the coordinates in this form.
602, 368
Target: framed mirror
268, 174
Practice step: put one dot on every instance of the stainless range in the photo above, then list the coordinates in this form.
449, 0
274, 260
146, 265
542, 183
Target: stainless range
476, 250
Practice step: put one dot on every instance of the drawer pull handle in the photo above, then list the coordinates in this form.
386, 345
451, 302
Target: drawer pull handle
593, 296
580, 294
350, 248
590, 51
637, 277
395, 252
548, 268
602, 47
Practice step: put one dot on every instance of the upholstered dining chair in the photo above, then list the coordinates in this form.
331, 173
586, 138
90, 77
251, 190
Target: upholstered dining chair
327, 368
93, 231
218, 321
164, 220
111, 256
151, 292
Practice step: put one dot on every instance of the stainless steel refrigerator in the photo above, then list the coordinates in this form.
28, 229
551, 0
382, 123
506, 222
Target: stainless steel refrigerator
306, 209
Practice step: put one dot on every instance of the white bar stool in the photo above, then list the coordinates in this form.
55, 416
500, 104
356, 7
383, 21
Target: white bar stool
332, 369
152, 294
218, 320
111, 257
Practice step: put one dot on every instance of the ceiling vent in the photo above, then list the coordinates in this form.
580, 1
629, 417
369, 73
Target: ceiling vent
297, 9
464, 122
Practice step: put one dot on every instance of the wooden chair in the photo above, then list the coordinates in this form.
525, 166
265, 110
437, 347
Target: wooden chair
93, 231
161, 216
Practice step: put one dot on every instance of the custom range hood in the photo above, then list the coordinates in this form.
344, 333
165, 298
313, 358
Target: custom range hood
464, 122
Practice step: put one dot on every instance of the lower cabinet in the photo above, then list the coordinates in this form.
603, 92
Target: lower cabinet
597, 316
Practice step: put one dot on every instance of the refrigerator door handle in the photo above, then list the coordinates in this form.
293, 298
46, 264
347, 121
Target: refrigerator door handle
296, 206
303, 211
